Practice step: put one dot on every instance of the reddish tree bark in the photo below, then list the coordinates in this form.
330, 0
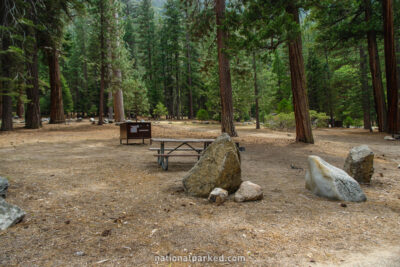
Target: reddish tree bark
299, 90
391, 67
56, 100
225, 85
119, 113
376, 75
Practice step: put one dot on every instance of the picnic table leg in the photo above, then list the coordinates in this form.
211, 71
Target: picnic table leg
158, 158
165, 164
161, 158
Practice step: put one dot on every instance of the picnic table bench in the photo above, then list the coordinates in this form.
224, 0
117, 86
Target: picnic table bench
164, 153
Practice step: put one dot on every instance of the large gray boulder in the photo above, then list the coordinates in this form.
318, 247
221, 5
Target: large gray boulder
219, 166
3, 187
328, 181
9, 214
248, 191
360, 164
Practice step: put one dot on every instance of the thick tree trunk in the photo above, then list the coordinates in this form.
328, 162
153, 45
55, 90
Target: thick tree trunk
32, 116
103, 62
225, 85
299, 90
256, 90
119, 113
6, 112
119, 106
56, 100
391, 67
364, 89
376, 75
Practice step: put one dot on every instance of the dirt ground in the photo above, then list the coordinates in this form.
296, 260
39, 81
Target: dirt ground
84, 193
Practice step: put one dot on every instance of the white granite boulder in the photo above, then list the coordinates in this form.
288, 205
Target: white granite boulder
248, 191
326, 180
9, 214
360, 164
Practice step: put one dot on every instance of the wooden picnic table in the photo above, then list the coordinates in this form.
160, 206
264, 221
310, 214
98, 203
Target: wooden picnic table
163, 153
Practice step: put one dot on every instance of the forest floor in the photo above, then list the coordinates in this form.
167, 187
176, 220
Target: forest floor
84, 192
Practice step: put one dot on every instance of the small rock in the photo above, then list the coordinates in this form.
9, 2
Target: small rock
398, 167
325, 180
343, 205
360, 164
389, 138
9, 214
106, 232
3, 187
248, 191
80, 253
92, 120
218, 195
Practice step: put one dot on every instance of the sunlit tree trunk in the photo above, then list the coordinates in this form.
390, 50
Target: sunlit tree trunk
299, 90
116, 80
376, 75
391, 67
225, 85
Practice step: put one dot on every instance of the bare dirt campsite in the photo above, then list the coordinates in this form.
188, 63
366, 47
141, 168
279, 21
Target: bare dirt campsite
91, 201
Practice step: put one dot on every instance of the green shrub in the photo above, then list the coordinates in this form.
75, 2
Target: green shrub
280, 121
68, 103
284, 106
319, 119
246, 117
160, 110
93, 110
358, 123
348, 121
202, 115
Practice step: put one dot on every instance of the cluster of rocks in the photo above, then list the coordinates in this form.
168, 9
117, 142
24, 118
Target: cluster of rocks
9, 214
218, 174
328, 181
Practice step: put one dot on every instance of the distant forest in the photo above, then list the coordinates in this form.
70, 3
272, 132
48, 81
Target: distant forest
284, 64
